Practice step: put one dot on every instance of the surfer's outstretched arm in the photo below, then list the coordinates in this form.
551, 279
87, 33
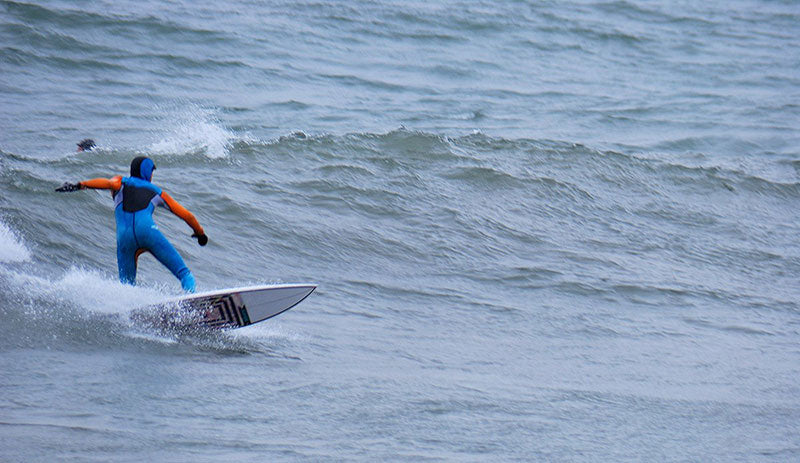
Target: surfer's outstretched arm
187, 217
113, 183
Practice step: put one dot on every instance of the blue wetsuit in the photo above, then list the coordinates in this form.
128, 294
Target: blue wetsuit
135, 203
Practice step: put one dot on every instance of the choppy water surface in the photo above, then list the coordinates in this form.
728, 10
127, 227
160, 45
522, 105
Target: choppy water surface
541, 232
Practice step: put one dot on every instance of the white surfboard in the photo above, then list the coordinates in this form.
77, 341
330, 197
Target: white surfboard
224, 309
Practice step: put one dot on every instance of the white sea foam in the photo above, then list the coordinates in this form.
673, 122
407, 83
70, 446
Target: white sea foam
88, 289
12, 248
191, 129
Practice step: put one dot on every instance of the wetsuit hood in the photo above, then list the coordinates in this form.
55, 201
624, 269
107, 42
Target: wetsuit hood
142, 167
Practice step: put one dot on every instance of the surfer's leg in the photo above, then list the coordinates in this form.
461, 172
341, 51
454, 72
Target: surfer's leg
169, 257
126, 260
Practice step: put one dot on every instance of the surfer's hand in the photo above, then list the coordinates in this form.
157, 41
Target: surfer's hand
67, 187
201, 239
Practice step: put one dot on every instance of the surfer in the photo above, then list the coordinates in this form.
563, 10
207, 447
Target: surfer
135, 199
86, 145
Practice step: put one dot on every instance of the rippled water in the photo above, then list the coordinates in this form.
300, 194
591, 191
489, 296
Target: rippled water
541, 232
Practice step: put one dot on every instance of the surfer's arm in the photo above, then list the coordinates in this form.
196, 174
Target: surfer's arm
187, 217
113, 183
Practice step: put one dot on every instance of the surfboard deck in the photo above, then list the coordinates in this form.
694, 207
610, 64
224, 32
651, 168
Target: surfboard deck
223, 309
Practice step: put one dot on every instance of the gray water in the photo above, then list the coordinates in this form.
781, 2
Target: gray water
559, 231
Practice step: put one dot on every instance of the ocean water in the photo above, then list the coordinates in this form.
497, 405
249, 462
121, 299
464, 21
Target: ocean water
542, 231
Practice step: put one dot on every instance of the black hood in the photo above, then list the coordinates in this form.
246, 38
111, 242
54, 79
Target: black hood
142, 167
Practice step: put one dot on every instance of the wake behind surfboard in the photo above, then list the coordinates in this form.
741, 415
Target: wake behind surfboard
224, 309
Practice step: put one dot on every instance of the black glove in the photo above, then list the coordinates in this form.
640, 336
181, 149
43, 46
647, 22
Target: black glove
201, 239
67, 187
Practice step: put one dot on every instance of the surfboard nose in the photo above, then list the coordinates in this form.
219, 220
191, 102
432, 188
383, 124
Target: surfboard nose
272, 301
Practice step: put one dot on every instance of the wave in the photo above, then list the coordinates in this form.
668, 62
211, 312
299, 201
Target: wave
652, 14
88, 291
55, 40
191, 128
75, 19
196, 132
12, 248
80, 308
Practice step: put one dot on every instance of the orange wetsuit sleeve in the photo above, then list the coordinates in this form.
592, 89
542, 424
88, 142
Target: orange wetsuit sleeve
113, 183
182, 212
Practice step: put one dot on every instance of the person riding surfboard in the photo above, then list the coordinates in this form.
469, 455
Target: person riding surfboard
135, 200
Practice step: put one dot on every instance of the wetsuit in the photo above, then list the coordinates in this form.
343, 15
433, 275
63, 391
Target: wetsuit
135, 200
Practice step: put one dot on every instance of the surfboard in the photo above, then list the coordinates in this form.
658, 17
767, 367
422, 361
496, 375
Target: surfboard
223, 309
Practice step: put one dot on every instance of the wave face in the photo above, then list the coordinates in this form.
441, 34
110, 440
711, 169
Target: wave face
559, 232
